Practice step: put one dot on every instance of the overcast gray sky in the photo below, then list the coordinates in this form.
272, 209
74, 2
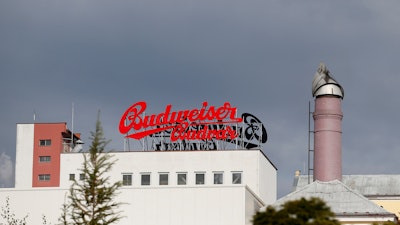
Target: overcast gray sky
259, 55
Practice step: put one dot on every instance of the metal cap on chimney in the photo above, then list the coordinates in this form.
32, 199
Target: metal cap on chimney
324, 84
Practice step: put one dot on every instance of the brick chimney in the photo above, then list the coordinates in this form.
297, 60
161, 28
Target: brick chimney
327, 116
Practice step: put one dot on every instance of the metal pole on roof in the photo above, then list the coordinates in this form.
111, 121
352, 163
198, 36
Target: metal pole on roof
236, 138
72, 128
310, 150
125, 136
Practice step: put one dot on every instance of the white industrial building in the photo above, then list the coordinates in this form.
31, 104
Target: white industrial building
160, 187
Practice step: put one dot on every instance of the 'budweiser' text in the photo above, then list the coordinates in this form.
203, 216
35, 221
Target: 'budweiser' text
179, 122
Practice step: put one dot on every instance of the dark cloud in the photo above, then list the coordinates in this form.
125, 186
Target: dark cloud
6, 171
259, 55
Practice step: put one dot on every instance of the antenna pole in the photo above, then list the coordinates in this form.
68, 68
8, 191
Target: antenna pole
72, 129
310, 151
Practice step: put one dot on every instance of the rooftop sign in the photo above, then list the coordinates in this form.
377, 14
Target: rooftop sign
194, 129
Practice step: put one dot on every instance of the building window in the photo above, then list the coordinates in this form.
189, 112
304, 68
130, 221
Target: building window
72, 176
236, 177
218, 178
46, 142
81, 176
200, 178
44, 158
44, 177
181, 179
163, 179
145, 179
126, 179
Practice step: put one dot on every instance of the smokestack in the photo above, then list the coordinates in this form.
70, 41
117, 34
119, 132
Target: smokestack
327, 126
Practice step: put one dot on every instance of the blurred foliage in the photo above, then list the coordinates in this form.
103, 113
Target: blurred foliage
9, 216
298, 212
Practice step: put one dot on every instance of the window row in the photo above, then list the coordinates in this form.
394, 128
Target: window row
181, 178
145, 178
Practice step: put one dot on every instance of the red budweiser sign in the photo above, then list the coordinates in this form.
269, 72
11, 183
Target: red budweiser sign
178, 123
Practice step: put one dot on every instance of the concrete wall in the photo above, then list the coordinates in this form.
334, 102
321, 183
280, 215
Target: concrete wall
24, 155
267, 186
391, 205
257, 172
217, 205
170, 204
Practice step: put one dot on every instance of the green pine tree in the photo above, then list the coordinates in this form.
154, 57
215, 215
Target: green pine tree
92, 199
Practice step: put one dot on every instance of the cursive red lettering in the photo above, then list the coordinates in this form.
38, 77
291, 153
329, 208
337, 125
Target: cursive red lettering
211, 113
202, 111
178, 131
193, 115
132, 116
178, 122
162, 118
232, 133
222, 112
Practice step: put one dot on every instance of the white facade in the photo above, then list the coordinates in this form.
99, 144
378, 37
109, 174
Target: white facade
23, 155
246, 181
257, 172
148, 206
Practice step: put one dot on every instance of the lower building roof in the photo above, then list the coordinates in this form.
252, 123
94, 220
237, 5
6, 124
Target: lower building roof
379, 185
342, 200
